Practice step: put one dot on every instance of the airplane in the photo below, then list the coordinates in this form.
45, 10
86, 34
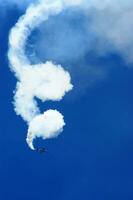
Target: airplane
41, 150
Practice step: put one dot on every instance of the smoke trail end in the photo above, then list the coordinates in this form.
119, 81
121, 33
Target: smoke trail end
47, 125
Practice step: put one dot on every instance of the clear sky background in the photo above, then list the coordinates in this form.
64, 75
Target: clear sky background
92, 159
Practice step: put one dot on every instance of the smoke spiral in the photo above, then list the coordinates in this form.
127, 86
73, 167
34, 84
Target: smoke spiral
44, 81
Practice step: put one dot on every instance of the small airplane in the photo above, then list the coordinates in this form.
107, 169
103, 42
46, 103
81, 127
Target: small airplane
41, 150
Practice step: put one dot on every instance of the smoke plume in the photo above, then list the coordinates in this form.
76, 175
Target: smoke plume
44, 81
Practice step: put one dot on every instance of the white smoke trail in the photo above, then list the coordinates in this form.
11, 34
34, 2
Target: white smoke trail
44, 81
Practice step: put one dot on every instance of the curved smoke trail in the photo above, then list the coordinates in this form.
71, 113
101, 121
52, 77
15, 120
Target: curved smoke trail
44, 81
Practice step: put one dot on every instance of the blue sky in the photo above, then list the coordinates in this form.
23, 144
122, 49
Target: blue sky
92, 158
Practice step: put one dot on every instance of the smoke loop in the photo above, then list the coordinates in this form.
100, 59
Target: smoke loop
44, 81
